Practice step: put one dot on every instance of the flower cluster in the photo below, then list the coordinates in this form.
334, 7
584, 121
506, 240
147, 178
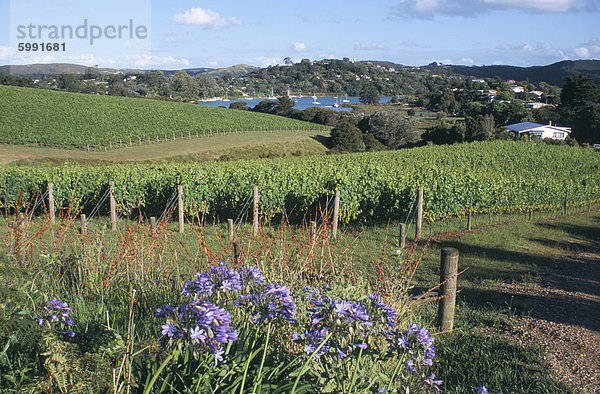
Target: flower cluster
380, 311
329, 324
219, 278
269, 302
347, 321
199, 323
58, 315
251, 276
416, 343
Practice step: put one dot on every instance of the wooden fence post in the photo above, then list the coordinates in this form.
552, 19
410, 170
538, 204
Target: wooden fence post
448, 272
113, 206
566, 204
419, 223
180, 207
236, 253
84, 229
402, 240
531, 214
313, 232
470, 220
51, 211
336, 213
152, 224
230, 229
255, 198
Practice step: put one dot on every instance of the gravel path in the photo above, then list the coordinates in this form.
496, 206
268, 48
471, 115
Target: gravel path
564, 318
562, 314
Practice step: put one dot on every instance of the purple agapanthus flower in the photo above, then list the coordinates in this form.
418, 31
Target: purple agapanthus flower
388, 314
57, 314
169, 330
433, 383
251, 275
416, 343
224, 278
312, 339
200, 324
197, 334
269, 302
201, 286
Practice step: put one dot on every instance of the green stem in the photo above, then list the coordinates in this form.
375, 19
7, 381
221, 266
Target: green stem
305, 366
355, 371
250, 357
395, 372
262, 362
160, 369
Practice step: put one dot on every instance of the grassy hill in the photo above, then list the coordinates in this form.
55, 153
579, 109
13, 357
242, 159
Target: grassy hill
78, 120
39, 70
553, 73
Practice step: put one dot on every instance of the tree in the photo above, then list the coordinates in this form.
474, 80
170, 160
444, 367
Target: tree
242, 105
284, 104
479, 128
580, 107
265, 106
184, 84
579, 92
445, 133
347, 137
369, 94
393, 129
69, 82
287, 61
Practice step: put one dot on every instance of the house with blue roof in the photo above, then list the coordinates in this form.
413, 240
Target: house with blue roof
539, 130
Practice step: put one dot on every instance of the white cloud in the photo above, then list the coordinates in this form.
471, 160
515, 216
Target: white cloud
413, 44
5, 53
467, 60
470, 8
588, 50
207, 18
536, 5
299, 47
266, 61
369, 46
151, 61
582, 52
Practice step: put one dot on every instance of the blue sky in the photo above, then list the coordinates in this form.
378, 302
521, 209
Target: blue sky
205, 33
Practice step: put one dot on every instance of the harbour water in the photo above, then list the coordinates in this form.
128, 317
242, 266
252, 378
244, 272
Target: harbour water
301, 102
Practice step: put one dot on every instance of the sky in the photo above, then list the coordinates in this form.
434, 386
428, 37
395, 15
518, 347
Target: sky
204, 33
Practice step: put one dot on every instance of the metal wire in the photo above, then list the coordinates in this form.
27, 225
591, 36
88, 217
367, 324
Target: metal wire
320, 222
168, 209
37, 204
245, 208
99, 205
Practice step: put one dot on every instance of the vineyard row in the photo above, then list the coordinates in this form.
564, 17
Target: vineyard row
478, 177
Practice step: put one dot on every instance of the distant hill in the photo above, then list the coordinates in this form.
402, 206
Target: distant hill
553, 73
192, 71
237, 70
39, 70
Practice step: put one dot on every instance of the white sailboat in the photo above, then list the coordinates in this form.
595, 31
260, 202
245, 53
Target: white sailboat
272, 95
315, 99
345, 100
